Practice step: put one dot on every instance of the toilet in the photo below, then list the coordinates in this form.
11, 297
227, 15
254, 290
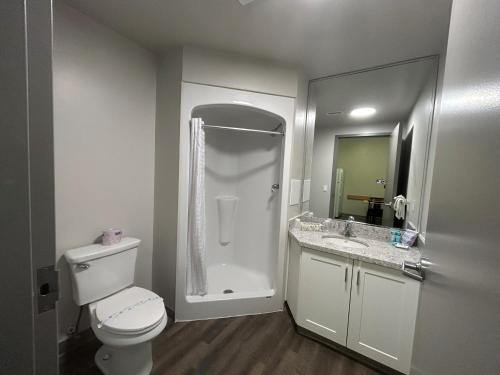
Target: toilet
125, 318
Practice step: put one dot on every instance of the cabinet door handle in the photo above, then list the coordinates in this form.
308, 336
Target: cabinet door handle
345, 275
357, 279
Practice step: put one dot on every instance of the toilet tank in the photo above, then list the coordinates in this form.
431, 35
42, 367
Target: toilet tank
98, 271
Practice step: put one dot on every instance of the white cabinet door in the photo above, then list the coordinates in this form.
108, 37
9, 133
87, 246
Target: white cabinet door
383, 313
325, 284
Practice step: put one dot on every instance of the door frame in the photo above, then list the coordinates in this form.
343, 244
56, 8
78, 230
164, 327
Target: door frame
336, 139
28, 340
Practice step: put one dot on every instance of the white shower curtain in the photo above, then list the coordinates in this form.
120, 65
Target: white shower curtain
196, 262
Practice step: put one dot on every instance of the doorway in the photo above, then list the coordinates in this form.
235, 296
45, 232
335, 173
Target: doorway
359, 176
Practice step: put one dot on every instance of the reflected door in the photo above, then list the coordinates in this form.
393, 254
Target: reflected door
391, 182
339, 192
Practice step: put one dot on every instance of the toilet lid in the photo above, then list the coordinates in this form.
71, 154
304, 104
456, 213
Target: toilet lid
131, 310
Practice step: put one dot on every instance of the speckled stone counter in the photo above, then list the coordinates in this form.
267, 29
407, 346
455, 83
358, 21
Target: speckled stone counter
378, 252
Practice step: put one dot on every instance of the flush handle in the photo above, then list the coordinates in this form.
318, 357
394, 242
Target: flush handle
83, 266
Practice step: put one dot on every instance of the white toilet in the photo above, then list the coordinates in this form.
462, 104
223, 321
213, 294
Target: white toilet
124, 318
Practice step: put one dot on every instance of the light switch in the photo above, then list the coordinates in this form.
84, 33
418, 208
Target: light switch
295, 186
306, 190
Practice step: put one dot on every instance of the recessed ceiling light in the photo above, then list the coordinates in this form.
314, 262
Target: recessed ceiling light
245, 2
363, 112
241, 102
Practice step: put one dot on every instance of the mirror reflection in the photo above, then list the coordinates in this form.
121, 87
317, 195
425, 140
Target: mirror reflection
371, 140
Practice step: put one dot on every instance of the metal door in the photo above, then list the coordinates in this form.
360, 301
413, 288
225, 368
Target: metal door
458, 325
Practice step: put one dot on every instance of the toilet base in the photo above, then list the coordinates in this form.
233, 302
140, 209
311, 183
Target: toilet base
125, 360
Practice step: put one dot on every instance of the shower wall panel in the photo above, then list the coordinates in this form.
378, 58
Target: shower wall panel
244, 165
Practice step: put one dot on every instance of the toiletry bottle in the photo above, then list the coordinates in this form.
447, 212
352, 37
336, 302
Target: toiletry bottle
328, 225
397, 236
393, 235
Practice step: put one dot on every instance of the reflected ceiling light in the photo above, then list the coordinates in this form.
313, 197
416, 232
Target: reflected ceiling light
241, 102
245, 2
363, 112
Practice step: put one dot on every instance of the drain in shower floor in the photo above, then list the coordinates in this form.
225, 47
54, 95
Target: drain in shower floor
228, 291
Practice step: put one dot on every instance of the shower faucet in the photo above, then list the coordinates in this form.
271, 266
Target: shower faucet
275, 188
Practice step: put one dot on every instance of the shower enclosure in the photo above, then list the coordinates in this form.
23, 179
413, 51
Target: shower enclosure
246, 160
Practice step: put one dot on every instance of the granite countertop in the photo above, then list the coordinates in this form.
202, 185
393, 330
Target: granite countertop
379, 252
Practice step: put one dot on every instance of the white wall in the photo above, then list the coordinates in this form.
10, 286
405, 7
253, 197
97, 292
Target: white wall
299, 134
215, 68
168, 92
420, 120
322, 161
75, 35
104, 124
244, 165
221, 171
310, 126
324, 142
225, 69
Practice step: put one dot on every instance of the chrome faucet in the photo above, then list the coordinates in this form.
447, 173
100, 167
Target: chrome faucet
348, 227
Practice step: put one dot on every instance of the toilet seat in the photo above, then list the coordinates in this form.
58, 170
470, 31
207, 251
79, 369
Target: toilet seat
131, 311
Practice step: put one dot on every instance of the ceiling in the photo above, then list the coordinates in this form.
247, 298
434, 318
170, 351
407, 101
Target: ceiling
321, 36
392, 91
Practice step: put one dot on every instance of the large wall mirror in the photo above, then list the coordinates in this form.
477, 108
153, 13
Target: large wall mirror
368, 136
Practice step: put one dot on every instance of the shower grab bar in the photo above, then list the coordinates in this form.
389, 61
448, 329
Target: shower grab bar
243, 129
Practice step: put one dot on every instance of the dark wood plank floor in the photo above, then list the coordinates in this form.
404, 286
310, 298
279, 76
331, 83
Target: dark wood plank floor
249, 345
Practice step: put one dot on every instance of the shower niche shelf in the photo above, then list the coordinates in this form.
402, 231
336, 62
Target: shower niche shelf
226, 209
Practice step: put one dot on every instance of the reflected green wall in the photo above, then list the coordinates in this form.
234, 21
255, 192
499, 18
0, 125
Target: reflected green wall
364, 160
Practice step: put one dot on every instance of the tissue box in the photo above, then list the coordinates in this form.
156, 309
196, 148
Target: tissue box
409, 237
111, 236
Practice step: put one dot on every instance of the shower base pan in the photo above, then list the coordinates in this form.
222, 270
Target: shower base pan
229, 281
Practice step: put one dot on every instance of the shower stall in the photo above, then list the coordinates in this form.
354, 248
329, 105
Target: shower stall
232, 226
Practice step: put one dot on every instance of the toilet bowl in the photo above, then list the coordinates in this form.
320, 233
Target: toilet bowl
124, 318
125, 323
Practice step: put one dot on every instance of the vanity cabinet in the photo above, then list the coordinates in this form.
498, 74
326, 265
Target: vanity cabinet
324, 292
368, 308
383, 312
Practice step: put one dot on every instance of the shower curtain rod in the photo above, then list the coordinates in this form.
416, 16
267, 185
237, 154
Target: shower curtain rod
244, 129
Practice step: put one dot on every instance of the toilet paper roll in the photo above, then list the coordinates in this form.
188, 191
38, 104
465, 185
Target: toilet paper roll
111, 236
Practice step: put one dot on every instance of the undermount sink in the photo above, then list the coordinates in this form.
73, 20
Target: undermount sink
343, 241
